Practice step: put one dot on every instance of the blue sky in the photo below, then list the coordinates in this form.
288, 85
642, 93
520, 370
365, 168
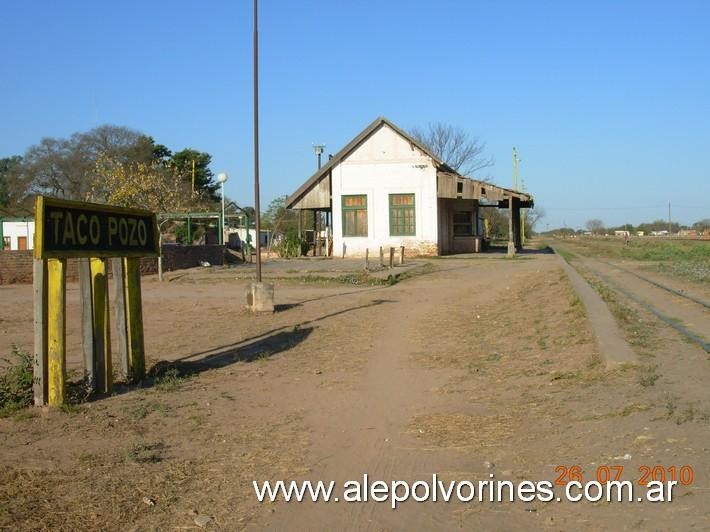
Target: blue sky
608, 103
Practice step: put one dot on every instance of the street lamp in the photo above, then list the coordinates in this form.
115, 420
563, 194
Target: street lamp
222, 178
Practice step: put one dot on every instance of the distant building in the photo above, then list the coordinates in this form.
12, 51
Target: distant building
16, 234
622, 233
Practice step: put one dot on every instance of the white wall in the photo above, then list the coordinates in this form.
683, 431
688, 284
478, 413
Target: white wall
18, 229
386, 164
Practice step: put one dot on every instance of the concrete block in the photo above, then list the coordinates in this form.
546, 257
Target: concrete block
260, 297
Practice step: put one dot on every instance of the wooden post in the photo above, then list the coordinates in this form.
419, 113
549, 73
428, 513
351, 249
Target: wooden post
382, 256
517, 238
391, 258
315, 233
511, 238
87, 324
56, 331
401, 255
134, 320
101, 327
40, 378
367, 258
119, 312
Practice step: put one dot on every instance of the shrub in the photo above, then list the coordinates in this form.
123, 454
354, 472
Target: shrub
291, 245
16, 382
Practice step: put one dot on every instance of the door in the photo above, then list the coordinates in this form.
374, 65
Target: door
21, 243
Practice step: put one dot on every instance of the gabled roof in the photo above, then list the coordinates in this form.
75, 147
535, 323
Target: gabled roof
442, 167
350, 147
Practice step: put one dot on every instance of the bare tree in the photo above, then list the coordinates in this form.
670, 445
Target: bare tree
532, 217
595, 225
455, 147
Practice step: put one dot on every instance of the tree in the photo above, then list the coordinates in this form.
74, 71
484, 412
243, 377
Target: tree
595, 225
12, 185
62, 167
497, 221
454, 146
182, 162
702, 225
532, 217
151, 186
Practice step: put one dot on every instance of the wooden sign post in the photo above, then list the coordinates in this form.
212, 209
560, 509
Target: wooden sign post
92, 233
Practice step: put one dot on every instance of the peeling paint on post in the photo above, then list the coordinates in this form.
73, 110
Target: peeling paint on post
91, 233
40, 378
56, 328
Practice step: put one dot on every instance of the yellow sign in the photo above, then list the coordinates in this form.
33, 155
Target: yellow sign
74, 229
91, 233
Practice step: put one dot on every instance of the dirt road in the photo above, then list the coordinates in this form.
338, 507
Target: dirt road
485, 366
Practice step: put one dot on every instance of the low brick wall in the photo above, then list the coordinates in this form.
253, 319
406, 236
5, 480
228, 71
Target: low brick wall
16, 266
183, 257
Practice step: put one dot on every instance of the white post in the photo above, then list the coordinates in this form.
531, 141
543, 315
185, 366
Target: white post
222, 178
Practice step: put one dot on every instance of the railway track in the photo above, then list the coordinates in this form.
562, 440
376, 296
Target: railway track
679, 293
663, 316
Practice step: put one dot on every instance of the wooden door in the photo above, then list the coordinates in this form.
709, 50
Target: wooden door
21, 243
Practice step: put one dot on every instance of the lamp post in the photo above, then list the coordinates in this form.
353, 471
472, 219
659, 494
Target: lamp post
222, 178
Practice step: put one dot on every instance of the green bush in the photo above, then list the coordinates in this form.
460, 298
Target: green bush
16, 382
291, 245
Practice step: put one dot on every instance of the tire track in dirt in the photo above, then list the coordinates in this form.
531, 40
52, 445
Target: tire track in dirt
366, 430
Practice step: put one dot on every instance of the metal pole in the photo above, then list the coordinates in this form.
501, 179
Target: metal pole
522, 216
222, 212
256, 144
669, 218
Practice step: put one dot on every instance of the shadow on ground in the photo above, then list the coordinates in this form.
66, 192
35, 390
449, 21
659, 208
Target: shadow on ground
259, 347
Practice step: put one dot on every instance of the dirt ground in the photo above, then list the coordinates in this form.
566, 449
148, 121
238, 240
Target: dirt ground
478, 366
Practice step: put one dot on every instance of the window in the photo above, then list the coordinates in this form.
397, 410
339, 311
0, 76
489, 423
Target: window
402, 217
463, 223
355, 215
6, 242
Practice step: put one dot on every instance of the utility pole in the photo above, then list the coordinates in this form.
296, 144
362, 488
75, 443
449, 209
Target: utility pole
193, 176
669, 218
511, 231
522, 216
257, 214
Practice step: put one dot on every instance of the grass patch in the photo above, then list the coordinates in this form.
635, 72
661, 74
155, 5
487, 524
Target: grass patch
639, 332
145, 453
16, 382
648, 376
143, 409
565, 254
171, 379
624, 412
461, 430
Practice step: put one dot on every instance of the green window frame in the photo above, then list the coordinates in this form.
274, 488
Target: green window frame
354, 214
403, 215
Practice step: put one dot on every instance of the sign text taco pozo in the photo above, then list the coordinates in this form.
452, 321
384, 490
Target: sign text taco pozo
76, 229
